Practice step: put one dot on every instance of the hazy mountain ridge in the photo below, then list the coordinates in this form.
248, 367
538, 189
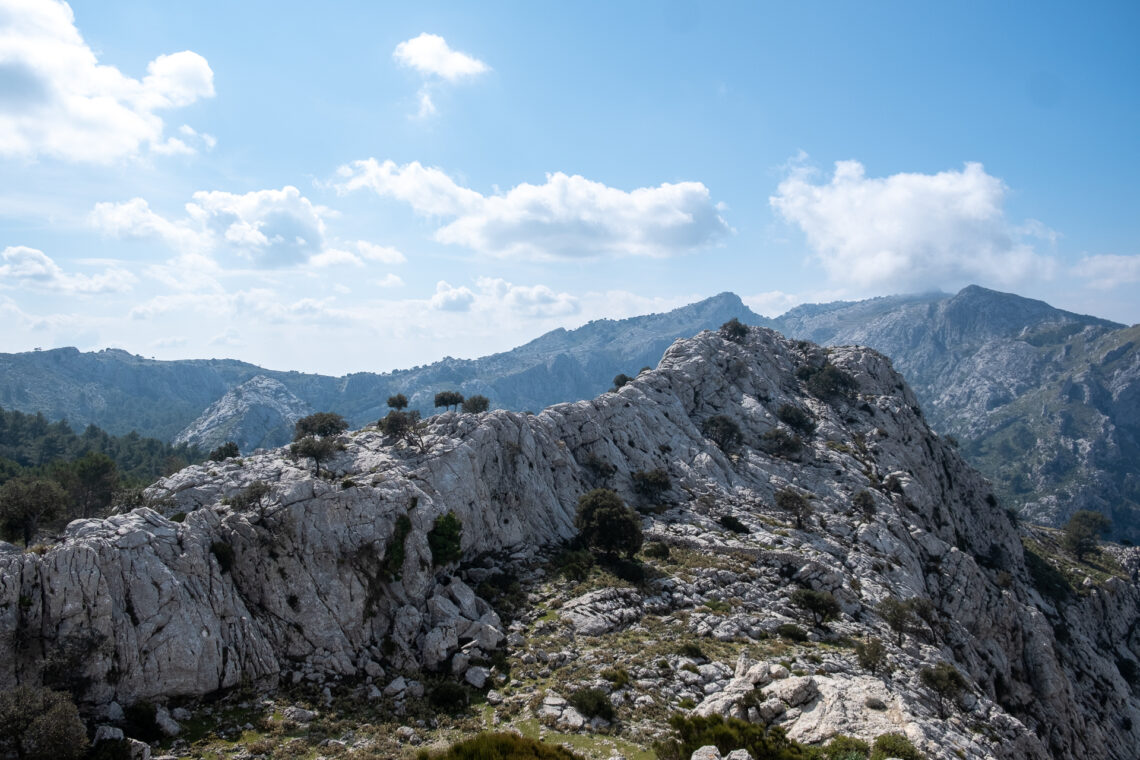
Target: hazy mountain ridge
1043, 400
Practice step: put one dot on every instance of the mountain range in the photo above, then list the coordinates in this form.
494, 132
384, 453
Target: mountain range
1045, 402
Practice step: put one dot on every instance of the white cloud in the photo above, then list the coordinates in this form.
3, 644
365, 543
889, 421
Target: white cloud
567, 217
27, 267
772, 303
531, 301
266, 228
911, 231
389, 281
59, 101
430, 54
448, 298
1107, 271
427, 105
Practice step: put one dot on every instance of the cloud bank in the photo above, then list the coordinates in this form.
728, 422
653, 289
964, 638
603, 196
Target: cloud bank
911, 231
57, 100
566, 217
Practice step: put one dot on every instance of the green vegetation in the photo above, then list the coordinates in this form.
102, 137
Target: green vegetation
444, 540
795, 504
1082, 531
727, 734
592, 703
317, 449
846, 748
393, 564
40, 724
224, 452
620, 380
734, 330
605, 524
791, 632
26, 503
723, 431
820, 605
476, 404
652, 484
894, 745
826, 382
250, 497
872, 655
398, 402
946, 682
449, 399
500, 746
732, 523
865, 503
780, 443
322, 424
796, 418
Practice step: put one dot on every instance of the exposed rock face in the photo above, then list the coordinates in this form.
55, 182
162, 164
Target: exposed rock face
258, 413
336, 576
1044, 401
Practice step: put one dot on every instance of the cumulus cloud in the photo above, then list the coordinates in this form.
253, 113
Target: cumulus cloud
531, 301
1107, 271
429, 54
266, 228
57, 100
448, 298
21, 266
911, 230
566, 217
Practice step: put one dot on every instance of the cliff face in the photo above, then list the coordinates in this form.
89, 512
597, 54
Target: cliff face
334, 577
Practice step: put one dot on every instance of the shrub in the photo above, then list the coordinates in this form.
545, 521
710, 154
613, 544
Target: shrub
723, 431
593, 703
398, 402
791, 632
656, 550
827, 381
224, 553
732, 523
449, 696
727, 734
692, 651
780, 443
448, 399
500, 746
600, 468
795, 504
898, 615
871, 655
321, 424
393, 563
620, 380
41, 724
606, 524
945, 681
619, 677
1082, 530
317, 449
249, 497
651, 484
444, 540
476, 404
796, 418
846, 748
224, 452
819, 604
894, 745
734, 330
574, 564
865, 503
1048, 580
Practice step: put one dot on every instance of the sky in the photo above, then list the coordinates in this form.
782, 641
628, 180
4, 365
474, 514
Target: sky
366, 186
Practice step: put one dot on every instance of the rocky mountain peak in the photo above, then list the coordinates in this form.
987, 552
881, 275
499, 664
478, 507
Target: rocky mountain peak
332, 579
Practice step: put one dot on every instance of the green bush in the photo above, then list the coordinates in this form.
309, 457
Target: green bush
821, 605
795, 504
224, 452
946, 682
476, 404
249, 497
734, 330
500, 746
732, 523
894, 745
871, 655
780, 443
320, 424
691, 650
1082, 531
723, 431
796, 418
593, 703
656, 550
393, 564
40, 724
691, 732
606, 524
619, 677
791, 631
449, 399
846, 748
574, 564
651, 484
449, 696
1048, 580
827, 381
444, 540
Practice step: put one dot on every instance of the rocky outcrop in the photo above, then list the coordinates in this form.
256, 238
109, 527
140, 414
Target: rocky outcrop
258, 413
334, 576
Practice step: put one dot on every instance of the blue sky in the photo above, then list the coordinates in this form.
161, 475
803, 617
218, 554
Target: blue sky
369, 186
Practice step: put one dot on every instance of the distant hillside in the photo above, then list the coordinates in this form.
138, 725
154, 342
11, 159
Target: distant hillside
206, 402
1045, 402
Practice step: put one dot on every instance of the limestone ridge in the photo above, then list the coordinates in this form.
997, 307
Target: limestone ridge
1044, 401
164, 399
312, 583
258, 413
